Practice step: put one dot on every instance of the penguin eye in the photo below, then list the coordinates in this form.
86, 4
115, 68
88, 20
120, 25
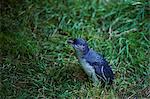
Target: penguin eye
82, 47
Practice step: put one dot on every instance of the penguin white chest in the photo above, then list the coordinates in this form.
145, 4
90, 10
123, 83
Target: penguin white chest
87, 68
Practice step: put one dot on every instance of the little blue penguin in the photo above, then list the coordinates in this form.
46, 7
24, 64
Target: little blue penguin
94, 64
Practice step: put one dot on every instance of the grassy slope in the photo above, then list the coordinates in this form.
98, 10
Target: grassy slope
37, 62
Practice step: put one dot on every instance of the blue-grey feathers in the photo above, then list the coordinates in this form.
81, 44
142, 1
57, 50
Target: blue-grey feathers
101, 66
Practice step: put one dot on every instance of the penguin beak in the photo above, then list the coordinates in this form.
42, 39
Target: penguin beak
70, 41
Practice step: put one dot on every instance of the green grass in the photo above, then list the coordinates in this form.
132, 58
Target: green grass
36, 61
